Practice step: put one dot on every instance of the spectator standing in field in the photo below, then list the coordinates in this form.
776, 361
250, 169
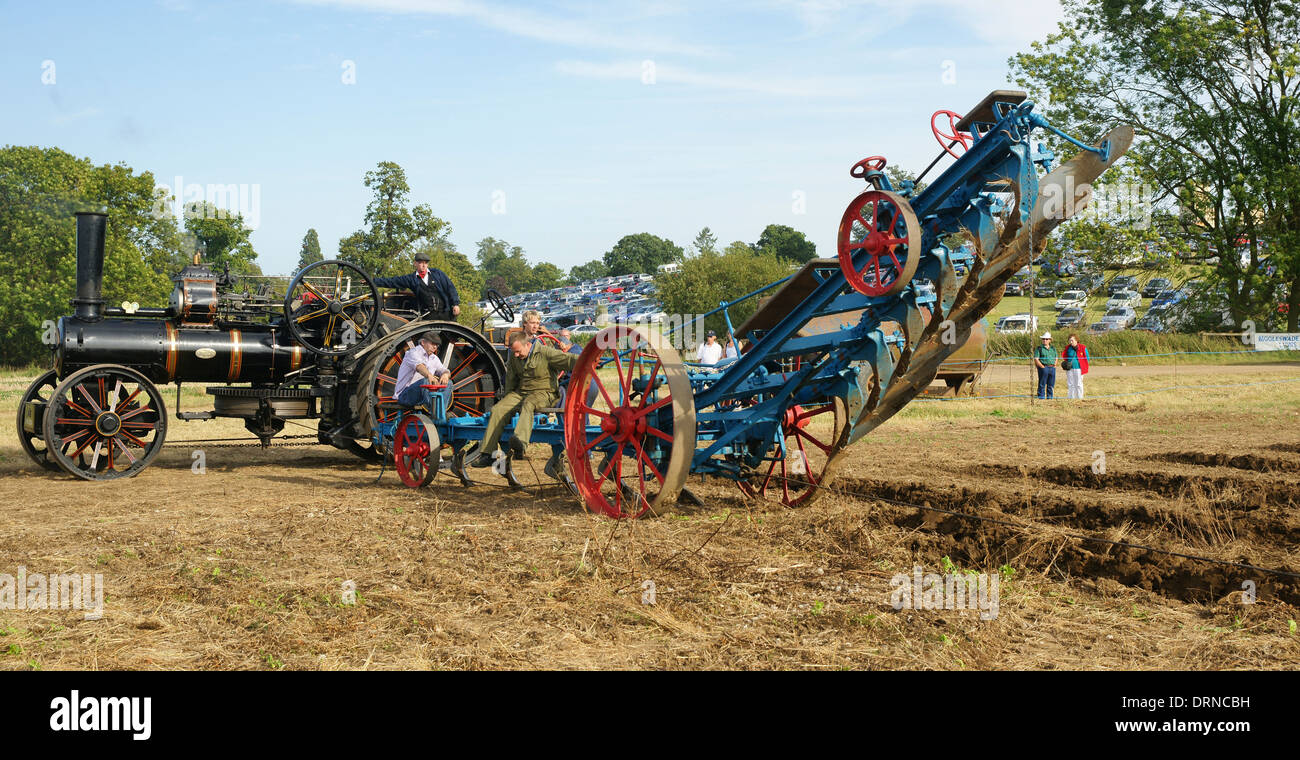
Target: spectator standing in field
730, 351
1074, 360
710, 351
1045, 363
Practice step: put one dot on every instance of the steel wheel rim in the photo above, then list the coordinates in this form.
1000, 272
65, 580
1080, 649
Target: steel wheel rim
102, 423
638, 460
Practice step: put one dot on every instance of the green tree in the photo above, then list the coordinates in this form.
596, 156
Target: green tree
1212, 88
310, 251
705, 243
224, 238
786, 242
497, 258
40, 188
704, 281
387, 245
545, 276
642, 252
590, 271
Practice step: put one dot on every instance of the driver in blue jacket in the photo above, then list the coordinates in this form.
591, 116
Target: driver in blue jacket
434, 292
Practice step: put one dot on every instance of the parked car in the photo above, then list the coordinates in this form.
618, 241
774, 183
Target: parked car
1017, 324
1072, 299
1121, 282
1168, 298
1072, 317
1016, 286
1124, 298
584, 330
1155, 285
1097, 328
1088, 282
1150, 323
1123, 316
1045, 289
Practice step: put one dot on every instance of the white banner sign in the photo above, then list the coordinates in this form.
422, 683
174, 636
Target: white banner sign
1277, 341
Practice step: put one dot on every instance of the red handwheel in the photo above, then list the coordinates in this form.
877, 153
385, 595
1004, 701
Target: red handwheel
416, 450
630, 449
953, 135
882, 224
870, 163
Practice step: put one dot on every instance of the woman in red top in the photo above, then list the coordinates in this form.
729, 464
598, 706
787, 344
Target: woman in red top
1074, 360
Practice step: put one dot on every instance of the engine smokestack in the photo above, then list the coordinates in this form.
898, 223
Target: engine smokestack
89, 304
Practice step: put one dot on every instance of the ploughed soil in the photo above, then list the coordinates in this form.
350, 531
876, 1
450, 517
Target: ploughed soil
1100, 521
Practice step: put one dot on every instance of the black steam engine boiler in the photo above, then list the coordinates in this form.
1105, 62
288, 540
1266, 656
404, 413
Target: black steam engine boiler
327, 350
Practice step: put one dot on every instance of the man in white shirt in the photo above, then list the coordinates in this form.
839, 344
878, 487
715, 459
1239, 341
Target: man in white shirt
710, 351
421, 366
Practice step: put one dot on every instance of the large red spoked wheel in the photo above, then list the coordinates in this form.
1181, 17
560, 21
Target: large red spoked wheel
814, 435
882, 224
953, 135
104, 422
630, 449
416, 450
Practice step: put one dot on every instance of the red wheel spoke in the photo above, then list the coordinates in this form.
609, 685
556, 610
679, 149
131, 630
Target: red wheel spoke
467, 380
807, 463
618, 482
74, 436
879, 279
591, 410
642, 456
66, 421
609, 466
897, 266
801, 434
618, 368
133, 439
770, 468
136, 413
595, 441
596, 379
128, 400
654, 378
464, 362
810, 412
785, 482
657, 433
646, 410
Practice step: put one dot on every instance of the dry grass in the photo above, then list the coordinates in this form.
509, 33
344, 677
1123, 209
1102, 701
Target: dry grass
243, 567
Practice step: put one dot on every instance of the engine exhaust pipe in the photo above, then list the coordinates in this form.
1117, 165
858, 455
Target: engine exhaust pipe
89, 302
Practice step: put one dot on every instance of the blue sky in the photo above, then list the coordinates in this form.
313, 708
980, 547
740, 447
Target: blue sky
558, 126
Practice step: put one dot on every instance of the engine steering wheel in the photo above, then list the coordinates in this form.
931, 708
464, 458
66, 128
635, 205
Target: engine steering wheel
499, 305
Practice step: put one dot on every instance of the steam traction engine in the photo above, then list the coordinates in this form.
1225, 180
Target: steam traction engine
323, 352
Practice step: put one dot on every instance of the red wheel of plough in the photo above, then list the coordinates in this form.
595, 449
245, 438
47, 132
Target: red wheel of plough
814, 435
953, 135
870, 163
416, 450
630, 450
882, 224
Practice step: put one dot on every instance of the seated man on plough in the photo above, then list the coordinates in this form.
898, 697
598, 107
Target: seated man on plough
530, 385
421, 366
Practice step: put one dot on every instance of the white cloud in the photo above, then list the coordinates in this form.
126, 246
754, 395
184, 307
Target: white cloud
1013, 22
530, 24
664, 73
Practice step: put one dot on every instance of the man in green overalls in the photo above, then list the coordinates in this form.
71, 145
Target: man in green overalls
530, 385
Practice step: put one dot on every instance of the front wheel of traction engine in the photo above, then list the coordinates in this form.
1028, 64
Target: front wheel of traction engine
105, 422
31, 409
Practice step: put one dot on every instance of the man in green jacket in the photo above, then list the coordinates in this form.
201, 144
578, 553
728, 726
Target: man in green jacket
530, 385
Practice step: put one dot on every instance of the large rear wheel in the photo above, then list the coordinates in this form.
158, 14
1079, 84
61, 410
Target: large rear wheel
31, 414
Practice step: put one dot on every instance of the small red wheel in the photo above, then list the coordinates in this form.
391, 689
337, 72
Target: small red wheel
416, 450
882, 224
953, 135
635, 454
871, 163
814, 436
